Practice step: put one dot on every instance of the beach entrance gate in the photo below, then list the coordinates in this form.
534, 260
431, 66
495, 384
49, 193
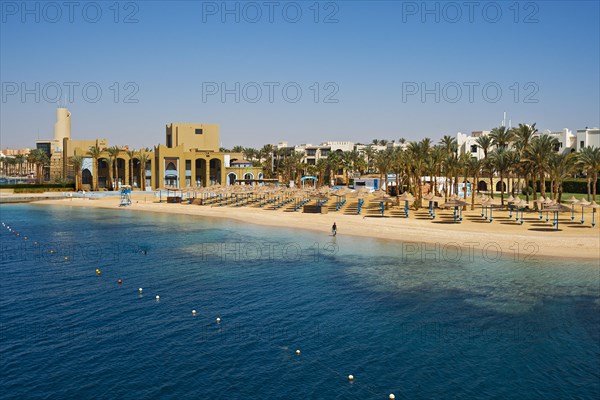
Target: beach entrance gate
314, 179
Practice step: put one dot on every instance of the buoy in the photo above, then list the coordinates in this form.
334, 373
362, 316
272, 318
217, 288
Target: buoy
119, 281
193, 312
392, 396
218, 320
297, 352
25, 238
98, 272
66, 258
51, 251
157, 297
350, 377
140, 290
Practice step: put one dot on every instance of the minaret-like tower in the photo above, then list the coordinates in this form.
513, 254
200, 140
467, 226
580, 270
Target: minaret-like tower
62, 127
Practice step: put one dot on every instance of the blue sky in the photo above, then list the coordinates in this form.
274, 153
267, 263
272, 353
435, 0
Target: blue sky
371, 62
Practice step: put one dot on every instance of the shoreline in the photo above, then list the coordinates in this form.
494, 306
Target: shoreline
511, 239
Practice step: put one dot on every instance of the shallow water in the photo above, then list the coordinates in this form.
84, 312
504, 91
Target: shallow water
414, 320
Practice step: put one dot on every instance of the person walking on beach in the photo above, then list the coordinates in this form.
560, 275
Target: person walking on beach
334, 229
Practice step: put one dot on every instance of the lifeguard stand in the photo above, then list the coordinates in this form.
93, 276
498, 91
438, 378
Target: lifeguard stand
125, 196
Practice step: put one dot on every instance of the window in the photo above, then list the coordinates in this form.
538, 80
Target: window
198, 131
188, 165
474, 148
581, 145
557, 146
169, 141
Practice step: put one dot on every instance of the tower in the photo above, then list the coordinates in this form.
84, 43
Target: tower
62, 126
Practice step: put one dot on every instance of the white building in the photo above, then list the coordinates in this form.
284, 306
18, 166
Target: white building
468, 144
588, 137
566, 140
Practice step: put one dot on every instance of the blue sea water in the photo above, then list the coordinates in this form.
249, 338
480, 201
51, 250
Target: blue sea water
422, 322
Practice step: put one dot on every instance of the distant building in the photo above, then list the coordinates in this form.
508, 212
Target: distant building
566, 140
468, 144
588, 137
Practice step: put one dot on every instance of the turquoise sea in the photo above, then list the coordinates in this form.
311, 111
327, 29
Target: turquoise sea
419, 321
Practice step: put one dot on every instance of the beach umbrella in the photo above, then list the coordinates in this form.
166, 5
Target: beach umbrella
435, 199
540, 203
556, 208
482, 199
489, 205
572, 200
594, 207
457, 204
406, 197
583, 203
521, 204
511, 200
382, 198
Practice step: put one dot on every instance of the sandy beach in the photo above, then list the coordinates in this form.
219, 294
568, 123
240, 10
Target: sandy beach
534, 239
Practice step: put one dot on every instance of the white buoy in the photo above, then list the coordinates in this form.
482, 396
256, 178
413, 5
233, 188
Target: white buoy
392, 396
218, 320
140, 290
157, 297
350, 377
298, 352
193, 312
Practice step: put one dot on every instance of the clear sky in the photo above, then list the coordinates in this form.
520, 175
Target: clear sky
365, 69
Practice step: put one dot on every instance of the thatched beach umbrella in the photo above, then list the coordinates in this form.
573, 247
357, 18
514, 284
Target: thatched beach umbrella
511, 201
406, 197
583, 203
556, 208
572, 200
594, 207
382, 198
457, 204
521, 205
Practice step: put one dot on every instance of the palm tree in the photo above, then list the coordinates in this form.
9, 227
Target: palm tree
321, 168
588, 159
560, 168
383, 162
501, 160
538, 154
523, 135
113, 152
94, 152
449, 144
77, 162
19, 160
40, 159
144, 157
267, 154
397, 166
370, 153
249, 153
474, 168
334, 162
237, 149
501, 137
131, 154
418, 153
485, 143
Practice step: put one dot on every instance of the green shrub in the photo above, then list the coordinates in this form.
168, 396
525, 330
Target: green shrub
527, 189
